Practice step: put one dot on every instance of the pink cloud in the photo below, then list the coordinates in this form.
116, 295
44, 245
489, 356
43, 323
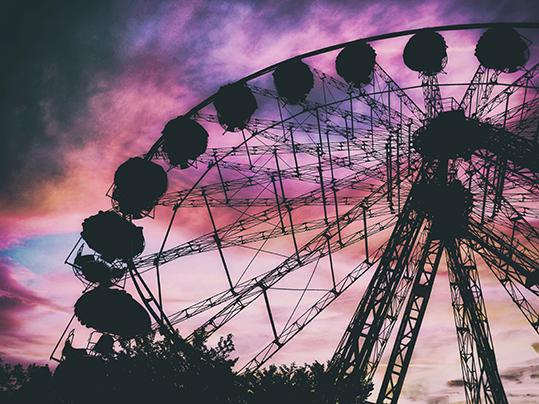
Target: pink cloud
173, 56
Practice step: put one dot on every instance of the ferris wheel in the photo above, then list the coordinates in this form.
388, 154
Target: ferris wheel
330, 171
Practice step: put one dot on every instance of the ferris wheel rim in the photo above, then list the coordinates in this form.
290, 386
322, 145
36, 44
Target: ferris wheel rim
453, 27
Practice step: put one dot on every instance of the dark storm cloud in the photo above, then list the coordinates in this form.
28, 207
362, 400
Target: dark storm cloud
51, 51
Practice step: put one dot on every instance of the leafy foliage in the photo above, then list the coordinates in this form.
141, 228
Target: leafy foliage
146, 371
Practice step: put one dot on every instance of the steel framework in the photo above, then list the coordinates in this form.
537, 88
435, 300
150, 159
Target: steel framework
310, 191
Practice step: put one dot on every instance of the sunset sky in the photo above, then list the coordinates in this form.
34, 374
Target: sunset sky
84, 87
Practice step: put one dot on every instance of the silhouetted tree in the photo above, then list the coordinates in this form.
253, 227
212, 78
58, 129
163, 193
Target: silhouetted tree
30, 384
146, 371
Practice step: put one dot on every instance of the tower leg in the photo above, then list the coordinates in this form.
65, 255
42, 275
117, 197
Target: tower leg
464, 281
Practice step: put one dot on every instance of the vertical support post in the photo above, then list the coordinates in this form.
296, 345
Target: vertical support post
268, 307
221, 177
325, 97
366, 234
319, 131
336, 211
389, 172
322, 189
506, 110
288, 207
463, 273
397, 164
278, 203
294, 152
331, 263
412, 318
330, 158
389, 102
524, 98
218, 242
247, 149
348, 141
409, 146
352, 117
485, 192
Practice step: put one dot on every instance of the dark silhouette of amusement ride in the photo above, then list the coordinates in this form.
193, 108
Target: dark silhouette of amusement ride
323, 179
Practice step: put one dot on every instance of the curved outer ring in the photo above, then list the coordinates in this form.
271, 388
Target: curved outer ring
454, 27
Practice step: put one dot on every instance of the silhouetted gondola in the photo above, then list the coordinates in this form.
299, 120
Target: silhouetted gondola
112, 236
183, 141
355, 63
502, 48
235, 104
112, 311
426, 53
293, 81
94, 270
138, 185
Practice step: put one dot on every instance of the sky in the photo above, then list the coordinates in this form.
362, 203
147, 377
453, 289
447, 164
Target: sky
85, 85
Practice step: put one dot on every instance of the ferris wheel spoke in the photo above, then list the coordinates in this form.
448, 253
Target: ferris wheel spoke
516, 259
466, 344
516, 222
331, 109
479, 90
503, 96
328, 127
268, 127
520, 176
224, 187
491, 79
188, 196
466, 103
514, 291
506, 214
504, 144
250, 238
317, 246
307, 148
307, 173
268, 202
381, 75
220, 189
257, 286
266, 215
522, 112
350, 132
286, 143
464, 281
248, 286
384, 113
295, 327
335, 112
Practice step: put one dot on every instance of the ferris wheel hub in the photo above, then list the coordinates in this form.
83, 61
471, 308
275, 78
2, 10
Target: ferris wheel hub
447, 205
449, 135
